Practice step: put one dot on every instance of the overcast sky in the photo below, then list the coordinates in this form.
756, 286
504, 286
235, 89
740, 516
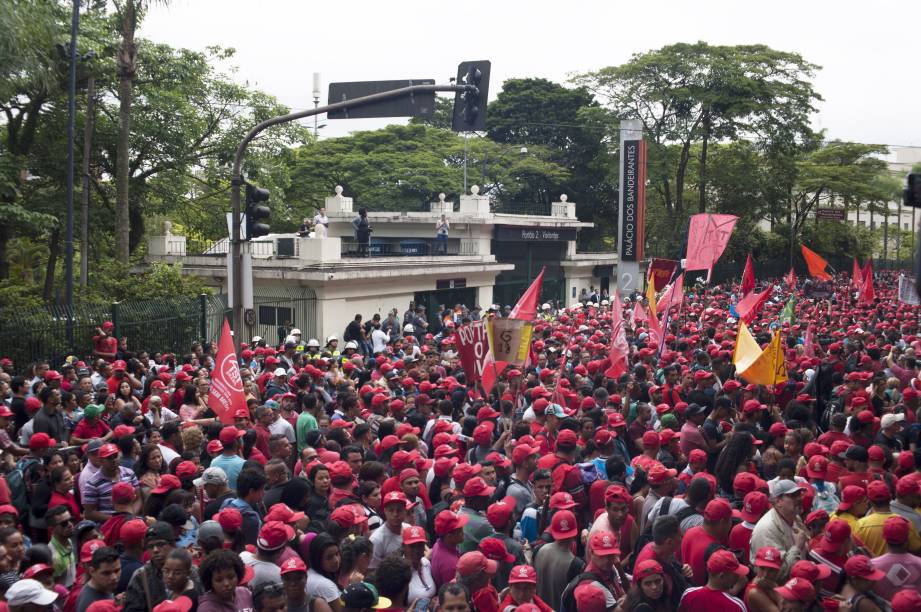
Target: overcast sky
868, 51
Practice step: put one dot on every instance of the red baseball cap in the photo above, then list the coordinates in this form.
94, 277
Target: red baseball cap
293, 564
603, 543
658, 473
723, 561
645, 569
817, 467
122, 431
133, 531
475, 561
447, 521
499, 513
108, 450
230, 433
851, 495
522, 574
650, 439
41, 441
590, 598
395, 497
896, 529
414, 535
186, 469
860, 566
274, 535
717, 510
567, 437
837, 531
768, 556
816, 515
562, 501
180, 604
5, 411
754, 506
123, 493
563, 525
878, 491
215, 446
797, 589
813, 572
168, 482
697, 456
88, 548
230, 519
522, 451
906, 601
36, 569
477, 487
282, 512
495, 549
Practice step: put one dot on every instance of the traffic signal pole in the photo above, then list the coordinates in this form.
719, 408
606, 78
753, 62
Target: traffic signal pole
236, 180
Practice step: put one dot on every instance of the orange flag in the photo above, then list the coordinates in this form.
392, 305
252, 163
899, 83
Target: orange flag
815, 263
226, 395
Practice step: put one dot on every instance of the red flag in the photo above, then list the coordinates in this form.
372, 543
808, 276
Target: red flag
491, 371
708, 236
619, 349
867, 291
526, 308
226, 395
815, 263
655, 328
867, 270
749, 306
673, 296
856, 275
748, 277
790, 279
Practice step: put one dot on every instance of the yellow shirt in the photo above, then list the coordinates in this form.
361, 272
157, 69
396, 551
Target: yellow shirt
847, 517
870, 531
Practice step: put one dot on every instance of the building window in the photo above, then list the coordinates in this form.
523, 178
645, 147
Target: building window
275, 315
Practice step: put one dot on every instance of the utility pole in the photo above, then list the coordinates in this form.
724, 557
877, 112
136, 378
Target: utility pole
236, 179
316, 101
71, 120
88, 128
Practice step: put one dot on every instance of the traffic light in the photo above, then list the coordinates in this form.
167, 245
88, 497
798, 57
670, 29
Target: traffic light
913, 191
470, 105
255, 213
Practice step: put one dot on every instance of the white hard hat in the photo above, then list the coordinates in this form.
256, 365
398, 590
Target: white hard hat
604, 302
408, 328
331, 338
313, 342
351, 345
257, 339
295, 332
545, 306
281, 372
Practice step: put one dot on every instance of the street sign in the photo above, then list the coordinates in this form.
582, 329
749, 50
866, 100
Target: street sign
412, 105
831, 214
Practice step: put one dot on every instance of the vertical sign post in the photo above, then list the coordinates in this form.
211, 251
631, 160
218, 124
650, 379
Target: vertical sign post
632, 221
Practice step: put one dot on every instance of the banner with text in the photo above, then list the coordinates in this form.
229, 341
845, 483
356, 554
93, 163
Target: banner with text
907, 292
509, 340
472, 344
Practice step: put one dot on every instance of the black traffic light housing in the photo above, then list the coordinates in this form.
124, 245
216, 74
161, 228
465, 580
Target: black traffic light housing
255, 213
913, 190
470, 105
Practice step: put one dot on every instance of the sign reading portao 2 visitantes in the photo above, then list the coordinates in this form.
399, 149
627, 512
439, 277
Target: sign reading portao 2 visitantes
535, 234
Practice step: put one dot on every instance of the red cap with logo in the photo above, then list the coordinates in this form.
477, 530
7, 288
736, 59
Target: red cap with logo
807, 570
768, 556
522, 574
861, 566
717, 510
797, 589
603, 543
475, 561
495, 549
723, 561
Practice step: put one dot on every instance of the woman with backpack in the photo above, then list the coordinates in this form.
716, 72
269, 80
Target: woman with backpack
649, 592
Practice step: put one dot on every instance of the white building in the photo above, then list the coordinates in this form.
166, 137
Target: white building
320, 284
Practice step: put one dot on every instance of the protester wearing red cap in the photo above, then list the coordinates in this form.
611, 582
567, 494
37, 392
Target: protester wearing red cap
724, 573
522, 582
870, 528
854, 505
449, 530
901, 569
97, 499
762, 594
476, 572
552, 560
230, 460
862, 578
714, 530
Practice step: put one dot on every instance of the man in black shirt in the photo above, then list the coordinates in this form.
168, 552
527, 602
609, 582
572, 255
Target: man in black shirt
49, 419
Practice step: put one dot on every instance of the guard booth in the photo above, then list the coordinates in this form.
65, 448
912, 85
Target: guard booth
448, 292
530, 249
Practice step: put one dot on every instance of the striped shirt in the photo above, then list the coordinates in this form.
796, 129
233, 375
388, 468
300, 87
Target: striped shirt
705, 599
99, 488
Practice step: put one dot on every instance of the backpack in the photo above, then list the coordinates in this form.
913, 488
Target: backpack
645, 536
559, 474
589, 473
20, 482
568, 600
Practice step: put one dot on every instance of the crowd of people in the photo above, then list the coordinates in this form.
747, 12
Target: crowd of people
382, 476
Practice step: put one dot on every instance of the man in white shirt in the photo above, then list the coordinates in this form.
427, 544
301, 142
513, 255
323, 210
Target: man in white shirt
379, 340
388, 538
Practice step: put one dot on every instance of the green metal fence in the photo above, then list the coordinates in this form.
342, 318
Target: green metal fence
166, 324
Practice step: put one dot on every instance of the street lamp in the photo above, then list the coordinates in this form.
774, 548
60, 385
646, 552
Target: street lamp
316, 100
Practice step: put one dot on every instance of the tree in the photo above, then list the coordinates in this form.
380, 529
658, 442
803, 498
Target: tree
400, 167
441, 115
539, 112
698, 93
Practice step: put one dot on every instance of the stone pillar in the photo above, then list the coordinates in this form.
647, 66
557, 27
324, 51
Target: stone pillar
338, 204
441, 206
474, 204
563, 208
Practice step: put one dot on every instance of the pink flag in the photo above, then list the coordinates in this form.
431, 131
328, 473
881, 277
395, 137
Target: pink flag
856, 275
809, 342
655, 328
639, 312
619, 349
226, 396
526, 308
752, 303
673, 296
708, 236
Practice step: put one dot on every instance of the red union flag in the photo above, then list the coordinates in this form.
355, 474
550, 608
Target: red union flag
226, 395
708, 236
661, 271
472, 345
